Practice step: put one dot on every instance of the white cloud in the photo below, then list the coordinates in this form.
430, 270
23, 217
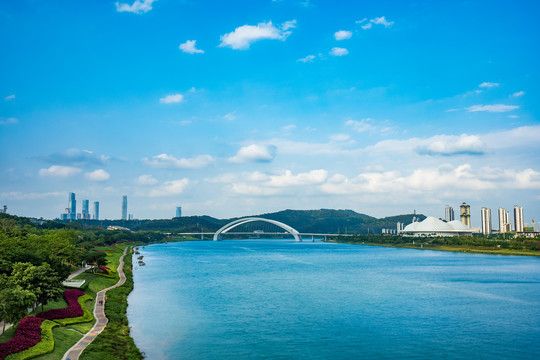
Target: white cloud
59, 171
375, 21
97, 175
289, 127
340, 137
190, 48
230, 116
518, 94
8, 121
254, 153
169, 161
262, 184
288, 25
171, 99
146, 180
452, 145
78, 157
242, 37
488, 85
337, 51
169, 188
138, 7
492, 108
361, 126
382, 21
342, 35
308, 58
9, 97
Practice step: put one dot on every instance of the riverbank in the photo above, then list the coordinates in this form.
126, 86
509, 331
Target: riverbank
494, 250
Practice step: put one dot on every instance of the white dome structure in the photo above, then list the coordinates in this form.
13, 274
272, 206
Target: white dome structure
432, 226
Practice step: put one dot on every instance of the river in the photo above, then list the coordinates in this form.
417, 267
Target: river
279, 299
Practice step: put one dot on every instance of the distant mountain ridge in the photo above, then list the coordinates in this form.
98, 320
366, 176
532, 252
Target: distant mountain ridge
305, 221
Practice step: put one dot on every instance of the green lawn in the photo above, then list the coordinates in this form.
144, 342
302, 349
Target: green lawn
66, 337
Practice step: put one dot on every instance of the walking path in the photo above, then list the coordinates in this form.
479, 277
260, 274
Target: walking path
99, 314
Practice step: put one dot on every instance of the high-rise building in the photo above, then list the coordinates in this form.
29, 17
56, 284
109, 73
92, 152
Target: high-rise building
486, 221
449, 213
518, 218
504, 221
124, 207
96, 210
84, 211
72, 205
178, 211
465, 214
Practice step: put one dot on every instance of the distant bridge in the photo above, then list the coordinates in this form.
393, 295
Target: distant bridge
218, 235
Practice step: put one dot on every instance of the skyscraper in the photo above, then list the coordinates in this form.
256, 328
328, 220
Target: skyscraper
85, 213
504, 221
178, 211
449, 213
465, 214
72, 206
486, 221
124, 207
96, 210
518, 218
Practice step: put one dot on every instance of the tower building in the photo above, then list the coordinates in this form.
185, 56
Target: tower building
96, 210
72, 206
178, 211
518, 218
124, 207
465, 214
449, 213
486, 220
504, 221
85, 213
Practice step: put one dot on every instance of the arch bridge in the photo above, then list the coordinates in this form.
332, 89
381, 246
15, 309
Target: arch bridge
218, 235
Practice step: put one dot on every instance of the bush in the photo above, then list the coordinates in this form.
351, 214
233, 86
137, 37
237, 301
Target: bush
86, 317
45, 346
73, 309
28, 334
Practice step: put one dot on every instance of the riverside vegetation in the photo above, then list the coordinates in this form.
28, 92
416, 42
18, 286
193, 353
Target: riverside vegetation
34, 259
472, 244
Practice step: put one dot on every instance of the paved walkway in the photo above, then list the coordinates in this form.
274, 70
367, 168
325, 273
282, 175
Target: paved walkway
99, 314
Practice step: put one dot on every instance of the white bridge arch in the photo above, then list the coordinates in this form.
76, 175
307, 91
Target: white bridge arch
233, 224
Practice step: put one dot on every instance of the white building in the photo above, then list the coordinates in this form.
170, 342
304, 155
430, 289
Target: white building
505, 225
432, 226
518, 218
486, 221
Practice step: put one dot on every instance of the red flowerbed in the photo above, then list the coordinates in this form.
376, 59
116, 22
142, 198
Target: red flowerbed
105, 269
28, 334
72, 310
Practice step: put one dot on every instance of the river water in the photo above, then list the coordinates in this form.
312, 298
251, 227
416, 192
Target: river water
279, 299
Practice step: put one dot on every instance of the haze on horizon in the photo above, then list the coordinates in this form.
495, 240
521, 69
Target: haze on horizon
238, 108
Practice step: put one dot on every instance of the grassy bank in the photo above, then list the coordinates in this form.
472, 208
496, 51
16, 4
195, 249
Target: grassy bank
427, 244
115, 341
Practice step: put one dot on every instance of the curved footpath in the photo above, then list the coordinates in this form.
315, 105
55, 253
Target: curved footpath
99, 313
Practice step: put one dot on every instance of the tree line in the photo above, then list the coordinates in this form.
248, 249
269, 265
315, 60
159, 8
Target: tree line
35, 258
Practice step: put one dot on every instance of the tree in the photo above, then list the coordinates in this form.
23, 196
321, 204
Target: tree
14, 303
41, 280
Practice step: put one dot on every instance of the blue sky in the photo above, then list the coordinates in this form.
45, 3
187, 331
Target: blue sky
244, 107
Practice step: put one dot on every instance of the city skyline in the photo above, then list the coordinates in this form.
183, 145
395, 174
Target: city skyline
254, 107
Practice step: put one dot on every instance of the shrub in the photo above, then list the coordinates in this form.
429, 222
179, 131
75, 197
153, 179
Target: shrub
73, 309
45, 346
86, 317
28, 334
